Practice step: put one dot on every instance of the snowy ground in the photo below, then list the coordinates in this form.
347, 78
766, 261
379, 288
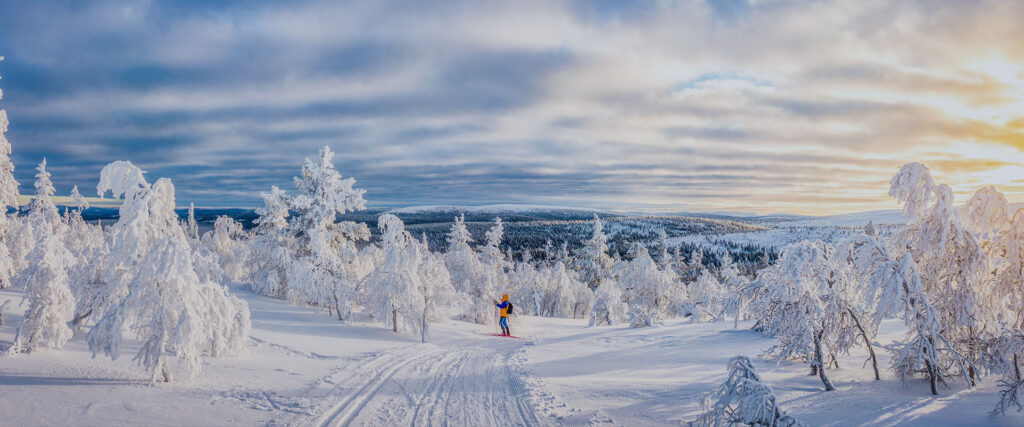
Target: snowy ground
304, 368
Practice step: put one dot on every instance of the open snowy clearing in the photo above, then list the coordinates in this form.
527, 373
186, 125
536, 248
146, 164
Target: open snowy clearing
304, 368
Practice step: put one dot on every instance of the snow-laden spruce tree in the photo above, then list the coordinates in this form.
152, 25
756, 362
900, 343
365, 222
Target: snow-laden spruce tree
225, 246
191, 226
470, 276
42, 220
708, 296
393, 288
527, 287
650, 292
439, 296
664, 257
410, 286
490, 253
88, 246
47, 291
743, 399
8, 199
690, 271
608, 308
732, 283
594, 264
323, 272
560, 299
272, 245
949, 259
151, 288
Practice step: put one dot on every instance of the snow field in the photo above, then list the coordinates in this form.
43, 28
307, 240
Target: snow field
305, 368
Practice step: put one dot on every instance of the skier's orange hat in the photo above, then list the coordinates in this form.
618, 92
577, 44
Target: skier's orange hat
504, 297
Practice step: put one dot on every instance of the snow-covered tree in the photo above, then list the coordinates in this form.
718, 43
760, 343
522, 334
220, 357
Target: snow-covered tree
664, 258
439, 296
799, 305
708, 296
491, 253
224, 246
151, 287
926, 348
47, 291
470, 276
593, 261
949, 259
191, 226
8, 199
869, 229
410, 286
528, 287
985, 213
42, 220
323, 272
608, 307
393, 288
271, 245
560, 299
650, 293
743, 399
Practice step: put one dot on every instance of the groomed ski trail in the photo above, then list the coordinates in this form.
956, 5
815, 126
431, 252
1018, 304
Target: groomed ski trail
472, 381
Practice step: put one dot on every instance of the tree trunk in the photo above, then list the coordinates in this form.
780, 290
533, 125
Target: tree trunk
871, 351
931, 376
394, 319
818, 362
423, 328
1016, 368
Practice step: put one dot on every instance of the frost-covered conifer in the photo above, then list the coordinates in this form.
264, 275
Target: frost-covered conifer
224, 246
439, 296
708, 297
8, 199
869, 229
608, 307
594, 263
324, 271
410, 286
191, 227
650, 293
470, 275
47, 291
491, 253
664, 258
528, 288
560, 299
151, 287
42, 220
393, 288
743, 399
272, 245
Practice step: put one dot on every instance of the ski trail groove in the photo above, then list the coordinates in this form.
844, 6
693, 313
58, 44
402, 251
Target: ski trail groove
345, 411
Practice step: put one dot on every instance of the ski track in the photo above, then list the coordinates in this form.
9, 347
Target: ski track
454, 385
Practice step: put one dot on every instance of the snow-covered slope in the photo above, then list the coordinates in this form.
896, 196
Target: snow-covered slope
304, 368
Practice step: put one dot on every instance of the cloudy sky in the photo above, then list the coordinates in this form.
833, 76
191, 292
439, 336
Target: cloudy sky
763, 106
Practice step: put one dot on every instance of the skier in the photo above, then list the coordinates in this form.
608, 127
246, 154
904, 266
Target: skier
503, 322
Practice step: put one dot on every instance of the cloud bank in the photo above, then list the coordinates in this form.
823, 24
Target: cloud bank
766, 106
